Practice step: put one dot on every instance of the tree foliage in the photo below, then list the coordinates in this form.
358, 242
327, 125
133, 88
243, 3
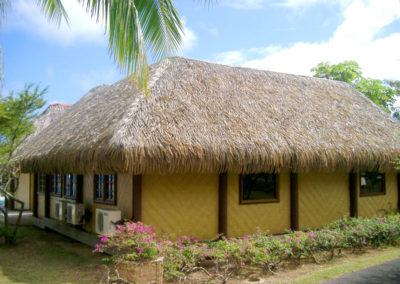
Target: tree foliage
347, 71
17, 112
381, 92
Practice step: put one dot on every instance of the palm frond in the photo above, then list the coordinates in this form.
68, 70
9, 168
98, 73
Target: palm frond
162, 27
135, 27
127, 43
54, 10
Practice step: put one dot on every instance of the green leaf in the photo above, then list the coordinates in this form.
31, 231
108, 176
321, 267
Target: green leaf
16, 118
54, 10
347, 71
136, 27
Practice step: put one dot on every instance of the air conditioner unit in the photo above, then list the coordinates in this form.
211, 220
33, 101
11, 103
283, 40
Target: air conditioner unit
75, 213
105, 219
60, 210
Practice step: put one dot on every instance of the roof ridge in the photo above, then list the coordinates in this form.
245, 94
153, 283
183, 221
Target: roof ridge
158, 71
60, 104
257, 69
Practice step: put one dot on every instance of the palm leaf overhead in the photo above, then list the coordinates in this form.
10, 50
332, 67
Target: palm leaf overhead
134, 27
53, 9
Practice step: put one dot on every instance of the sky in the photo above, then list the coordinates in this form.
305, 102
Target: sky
289, 36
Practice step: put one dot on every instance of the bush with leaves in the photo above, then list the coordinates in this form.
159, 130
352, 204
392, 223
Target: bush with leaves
131, 242
223, 257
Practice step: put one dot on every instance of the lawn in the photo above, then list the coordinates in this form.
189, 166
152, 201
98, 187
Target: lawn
46, 257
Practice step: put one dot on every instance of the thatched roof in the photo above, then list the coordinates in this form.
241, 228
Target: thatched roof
205, 117
48, 116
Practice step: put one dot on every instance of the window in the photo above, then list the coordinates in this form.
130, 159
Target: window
372, 183
72, 185
258, 188
42, 183
57, 184
105, 189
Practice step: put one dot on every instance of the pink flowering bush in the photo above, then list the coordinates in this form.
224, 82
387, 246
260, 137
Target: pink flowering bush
131, 242
222, 257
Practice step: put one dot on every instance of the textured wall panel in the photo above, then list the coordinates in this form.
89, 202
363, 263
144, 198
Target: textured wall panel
181, 204
24, 189
323, 197
248, 218
31, 189
369, 206
124, 198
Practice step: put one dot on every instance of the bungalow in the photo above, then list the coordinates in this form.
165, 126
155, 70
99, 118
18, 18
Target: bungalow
216, 149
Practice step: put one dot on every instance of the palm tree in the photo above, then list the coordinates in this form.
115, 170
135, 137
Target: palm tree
134, 26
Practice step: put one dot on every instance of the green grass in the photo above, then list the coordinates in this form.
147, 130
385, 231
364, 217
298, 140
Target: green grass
336, 270
46, 257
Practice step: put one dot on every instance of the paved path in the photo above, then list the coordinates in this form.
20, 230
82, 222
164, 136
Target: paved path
385, 273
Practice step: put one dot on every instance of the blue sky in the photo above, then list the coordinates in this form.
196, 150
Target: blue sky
288, 36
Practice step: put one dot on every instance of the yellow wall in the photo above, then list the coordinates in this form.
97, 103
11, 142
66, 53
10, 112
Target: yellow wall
124, 198
31, 190
23, 191
323, 197
187, 204
369, 206
41, 209
181, 204
248, 218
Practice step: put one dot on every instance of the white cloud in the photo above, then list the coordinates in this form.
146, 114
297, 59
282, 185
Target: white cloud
231, 57
244, 4
28, 16
210, 29
81, 29
354, 39
292, 4
189, 37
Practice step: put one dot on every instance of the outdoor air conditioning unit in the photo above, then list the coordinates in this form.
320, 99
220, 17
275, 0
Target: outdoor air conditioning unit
75, 213
105, 220
60, 210
57, 209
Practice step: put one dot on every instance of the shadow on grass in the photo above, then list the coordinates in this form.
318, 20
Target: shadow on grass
46, 257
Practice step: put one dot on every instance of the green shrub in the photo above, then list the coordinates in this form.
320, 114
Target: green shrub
137, 242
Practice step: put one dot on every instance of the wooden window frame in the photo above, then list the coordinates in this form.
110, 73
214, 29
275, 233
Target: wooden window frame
78, 185
41, 185
258, 201
104, 199
54, 185
383, 192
